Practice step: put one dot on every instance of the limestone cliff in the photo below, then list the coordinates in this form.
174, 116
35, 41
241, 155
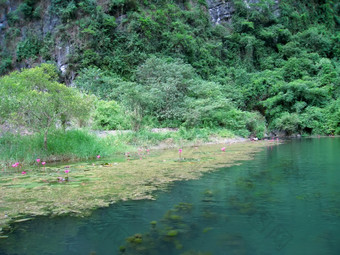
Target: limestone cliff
32, 32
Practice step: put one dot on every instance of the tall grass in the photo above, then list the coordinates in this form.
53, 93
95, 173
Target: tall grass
82, 144
68, 145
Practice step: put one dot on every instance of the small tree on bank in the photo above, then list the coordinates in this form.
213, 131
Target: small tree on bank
34, 99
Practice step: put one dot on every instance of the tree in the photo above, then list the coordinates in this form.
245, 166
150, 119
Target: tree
165, 85
34, 99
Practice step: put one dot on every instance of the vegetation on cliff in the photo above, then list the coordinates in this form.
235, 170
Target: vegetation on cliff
164, 64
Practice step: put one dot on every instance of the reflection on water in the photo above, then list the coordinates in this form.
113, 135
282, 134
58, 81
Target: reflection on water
286, 201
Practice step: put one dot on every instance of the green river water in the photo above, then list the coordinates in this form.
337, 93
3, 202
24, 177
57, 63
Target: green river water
285, 201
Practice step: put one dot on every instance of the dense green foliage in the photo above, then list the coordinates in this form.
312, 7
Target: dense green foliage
163, 63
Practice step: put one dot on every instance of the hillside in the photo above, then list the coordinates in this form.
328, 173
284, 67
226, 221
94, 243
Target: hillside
245, 65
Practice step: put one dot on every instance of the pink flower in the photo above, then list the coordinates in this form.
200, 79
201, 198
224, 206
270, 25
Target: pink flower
223, 149
180, 150
38, 160
67, 171
16, 164
43, 163
98, 156
147, 150
23, 172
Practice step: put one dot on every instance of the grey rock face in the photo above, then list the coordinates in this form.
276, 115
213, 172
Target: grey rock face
275, 7
220, 10
223, 10
47, 24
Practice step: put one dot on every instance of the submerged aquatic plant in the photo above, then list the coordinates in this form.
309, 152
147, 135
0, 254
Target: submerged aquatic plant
172, 226
135, 239
172, 233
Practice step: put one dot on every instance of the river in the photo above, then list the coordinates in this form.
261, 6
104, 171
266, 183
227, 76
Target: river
285, 201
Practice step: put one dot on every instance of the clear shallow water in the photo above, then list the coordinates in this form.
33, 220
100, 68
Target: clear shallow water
285, 201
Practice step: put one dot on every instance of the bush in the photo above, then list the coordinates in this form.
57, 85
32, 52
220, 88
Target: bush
29, 48
333, 117
6, 64
256, 124
235, 120
109, 116
313, 120
290, 123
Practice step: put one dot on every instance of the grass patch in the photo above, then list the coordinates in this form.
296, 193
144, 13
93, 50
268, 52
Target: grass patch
68, 145
182, 136
83, 145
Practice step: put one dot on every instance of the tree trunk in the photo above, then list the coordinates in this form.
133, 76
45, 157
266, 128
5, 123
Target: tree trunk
45, 140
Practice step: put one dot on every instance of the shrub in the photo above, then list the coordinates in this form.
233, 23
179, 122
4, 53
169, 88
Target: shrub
290, 123
236, 120
109, 116
333, 117
313, 120
256, 124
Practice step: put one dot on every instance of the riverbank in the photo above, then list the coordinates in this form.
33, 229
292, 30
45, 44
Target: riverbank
82, 144
99, 183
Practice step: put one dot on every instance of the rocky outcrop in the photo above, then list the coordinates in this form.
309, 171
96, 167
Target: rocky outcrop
274, 7
42, 27
220, 10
